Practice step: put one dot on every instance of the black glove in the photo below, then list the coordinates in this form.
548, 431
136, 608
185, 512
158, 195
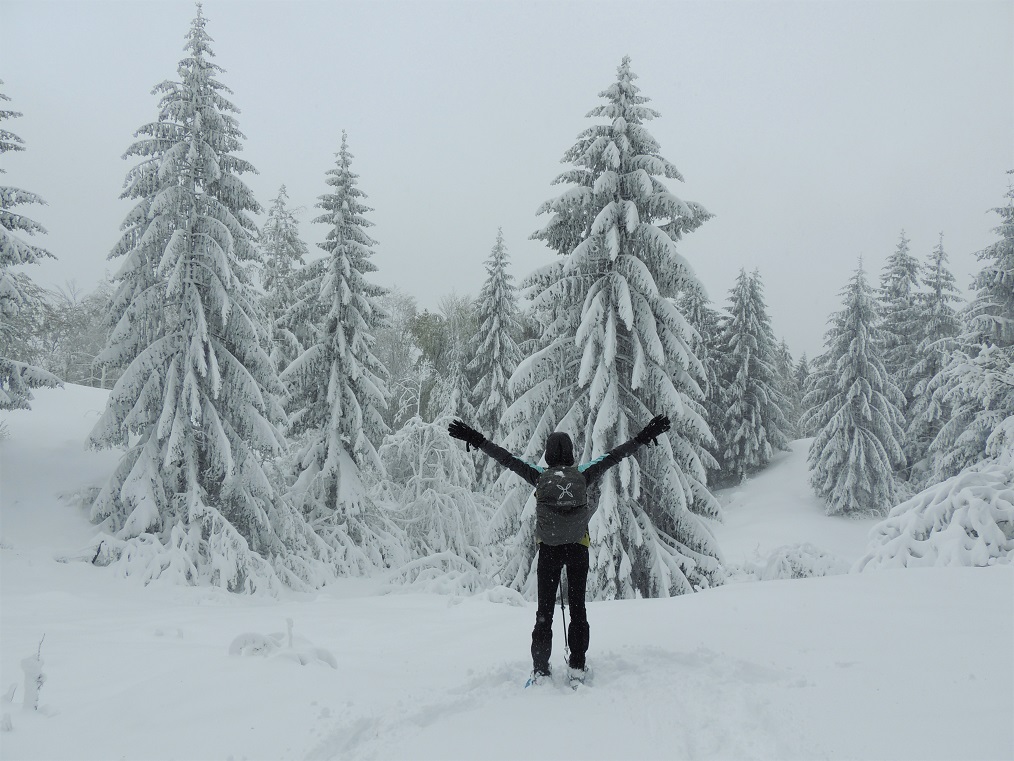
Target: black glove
470, 436
658, 425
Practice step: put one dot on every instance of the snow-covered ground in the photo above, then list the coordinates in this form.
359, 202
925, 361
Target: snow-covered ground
909, 664
777, 507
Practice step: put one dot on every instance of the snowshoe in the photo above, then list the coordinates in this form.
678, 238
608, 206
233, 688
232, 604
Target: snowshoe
538, 677
577, 677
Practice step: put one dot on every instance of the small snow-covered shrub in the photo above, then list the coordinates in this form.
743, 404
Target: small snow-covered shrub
792, 561
968, 520
253, 643
447, 574
442, 573
6, 723
802, 561
506, 596
34, 679
188, 559
429, 494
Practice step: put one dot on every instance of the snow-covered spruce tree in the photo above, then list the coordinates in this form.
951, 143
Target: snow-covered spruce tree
496, 352
337, 386
283, 251
975, 388
196, 408
24, 336
940, 325
785, 372
991, 315
16, 289
855, 410
897, 297
801, 373
754, 425
430, 487
396, 350
694, 304
615, 351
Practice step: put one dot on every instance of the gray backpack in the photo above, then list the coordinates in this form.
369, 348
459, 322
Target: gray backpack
561, 487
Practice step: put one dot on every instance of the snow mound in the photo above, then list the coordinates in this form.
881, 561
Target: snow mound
968, 520
283, 646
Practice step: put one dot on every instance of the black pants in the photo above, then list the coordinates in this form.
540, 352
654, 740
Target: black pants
552, 560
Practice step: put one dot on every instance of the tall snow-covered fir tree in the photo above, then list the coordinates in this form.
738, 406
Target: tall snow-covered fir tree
694, 304
976, 388
284, 252
337, 386
496, 351
991, 315
396, 350
16, 291
754, 425
939, 324
615, 351
855, 410
801, 373
196, 408
786, 373
898, 295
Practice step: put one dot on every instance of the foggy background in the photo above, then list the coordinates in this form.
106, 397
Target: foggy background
815, 132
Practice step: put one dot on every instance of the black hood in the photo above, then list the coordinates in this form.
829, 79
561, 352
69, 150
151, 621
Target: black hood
559, 449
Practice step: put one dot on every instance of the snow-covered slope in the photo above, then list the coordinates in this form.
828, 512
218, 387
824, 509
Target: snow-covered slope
912, 664
777, 507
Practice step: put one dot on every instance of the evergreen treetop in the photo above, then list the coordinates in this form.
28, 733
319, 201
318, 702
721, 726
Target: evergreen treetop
754, 424
898, 296
855, 410
705, 342
284, 254
940, 325
496, 350
283, 249
991, 315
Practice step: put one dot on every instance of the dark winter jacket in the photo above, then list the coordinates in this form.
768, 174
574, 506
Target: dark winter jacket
554, 527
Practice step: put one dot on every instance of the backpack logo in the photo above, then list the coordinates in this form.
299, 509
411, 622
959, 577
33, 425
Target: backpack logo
565, 491
562, 488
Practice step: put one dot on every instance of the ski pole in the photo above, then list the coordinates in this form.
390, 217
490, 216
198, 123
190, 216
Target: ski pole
563, 615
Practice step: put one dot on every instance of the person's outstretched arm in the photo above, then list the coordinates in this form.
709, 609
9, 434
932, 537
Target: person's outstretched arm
593, 471
473, 438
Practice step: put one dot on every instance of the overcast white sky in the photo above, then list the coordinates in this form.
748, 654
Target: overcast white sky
814, 131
